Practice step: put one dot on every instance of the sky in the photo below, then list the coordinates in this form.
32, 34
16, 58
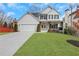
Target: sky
17, 10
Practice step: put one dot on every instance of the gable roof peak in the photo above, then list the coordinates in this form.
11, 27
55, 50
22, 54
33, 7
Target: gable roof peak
49, 7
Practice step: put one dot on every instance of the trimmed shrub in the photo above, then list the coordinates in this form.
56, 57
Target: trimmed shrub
70, 31
65, 31
15, 28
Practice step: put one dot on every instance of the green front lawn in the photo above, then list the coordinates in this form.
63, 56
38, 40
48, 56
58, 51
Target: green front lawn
48, 44
2, 33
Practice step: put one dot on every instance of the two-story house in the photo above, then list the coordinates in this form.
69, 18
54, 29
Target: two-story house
43, 21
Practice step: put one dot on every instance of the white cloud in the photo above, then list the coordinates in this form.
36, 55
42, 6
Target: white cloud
63, 7
16, 6
2, 6
10, 13
11, 5
62, 16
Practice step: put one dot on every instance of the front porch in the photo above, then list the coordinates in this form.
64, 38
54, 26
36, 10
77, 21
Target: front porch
50, 26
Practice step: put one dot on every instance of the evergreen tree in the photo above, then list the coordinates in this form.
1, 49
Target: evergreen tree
15, 27
5, 24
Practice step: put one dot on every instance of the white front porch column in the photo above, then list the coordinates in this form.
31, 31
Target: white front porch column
59, 25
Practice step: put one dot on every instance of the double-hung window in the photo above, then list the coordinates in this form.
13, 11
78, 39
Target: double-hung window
45, 16
56, 16
49, 16
41, 16
52, 17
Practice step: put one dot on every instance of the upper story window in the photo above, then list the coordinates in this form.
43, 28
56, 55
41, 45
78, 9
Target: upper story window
52, 17
43, 16
49, 16
56, 16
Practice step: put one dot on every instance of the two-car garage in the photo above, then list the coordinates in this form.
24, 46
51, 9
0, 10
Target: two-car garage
28, 23
28, 27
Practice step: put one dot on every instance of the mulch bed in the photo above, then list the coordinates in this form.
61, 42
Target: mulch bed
74, 42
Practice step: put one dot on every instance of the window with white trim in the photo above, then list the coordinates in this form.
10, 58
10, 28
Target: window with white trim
56, 16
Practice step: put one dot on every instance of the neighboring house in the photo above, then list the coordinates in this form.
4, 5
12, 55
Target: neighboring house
70, 19
48, 19
76, 21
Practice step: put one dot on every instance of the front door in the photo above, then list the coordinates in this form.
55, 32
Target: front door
44, 27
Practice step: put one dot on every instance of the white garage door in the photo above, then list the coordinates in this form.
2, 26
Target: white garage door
28, 27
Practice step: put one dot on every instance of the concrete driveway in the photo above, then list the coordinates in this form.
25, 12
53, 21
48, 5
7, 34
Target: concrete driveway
10, 43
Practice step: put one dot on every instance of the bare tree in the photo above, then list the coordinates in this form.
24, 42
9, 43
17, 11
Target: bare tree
72, 7
9, 19
1, 16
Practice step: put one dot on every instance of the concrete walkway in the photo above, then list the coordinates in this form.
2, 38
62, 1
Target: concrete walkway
10, 43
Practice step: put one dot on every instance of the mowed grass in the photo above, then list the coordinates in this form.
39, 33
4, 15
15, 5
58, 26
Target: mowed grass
48, 44
3, 33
